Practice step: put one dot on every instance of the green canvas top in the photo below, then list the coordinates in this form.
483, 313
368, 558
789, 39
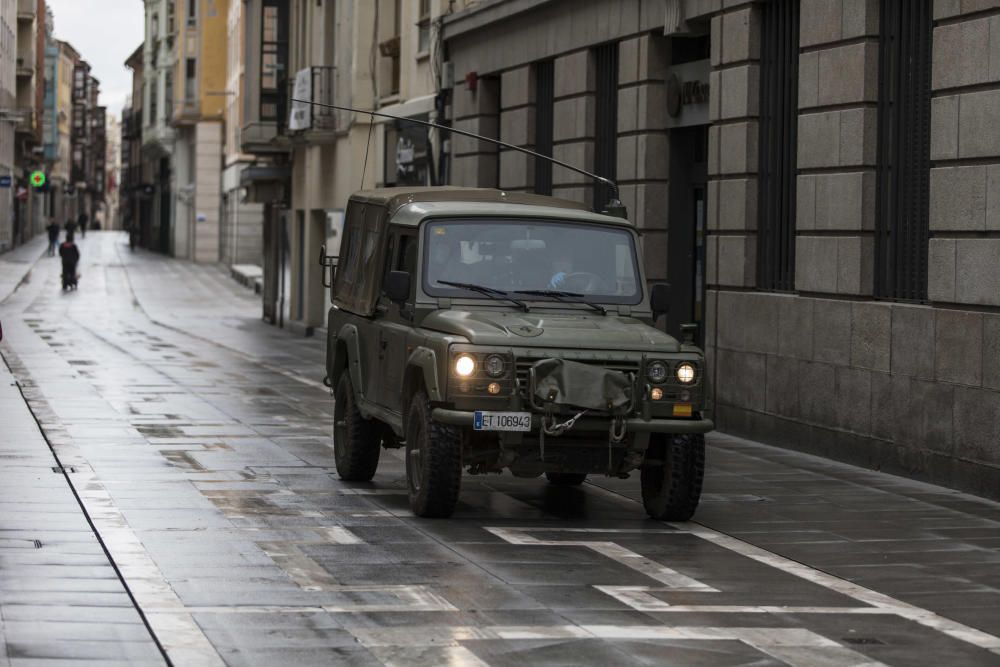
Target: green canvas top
456, 201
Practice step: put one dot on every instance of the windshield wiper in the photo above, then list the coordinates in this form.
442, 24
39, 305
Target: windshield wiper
562, 296
491, 292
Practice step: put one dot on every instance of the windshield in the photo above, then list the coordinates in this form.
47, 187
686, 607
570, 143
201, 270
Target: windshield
564, 259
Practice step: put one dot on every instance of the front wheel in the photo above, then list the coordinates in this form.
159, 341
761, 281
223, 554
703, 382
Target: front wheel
356, 440
671, 480
566, 478
433, 461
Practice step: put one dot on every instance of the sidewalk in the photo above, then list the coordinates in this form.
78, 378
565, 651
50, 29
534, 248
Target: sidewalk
60, 598
17, 263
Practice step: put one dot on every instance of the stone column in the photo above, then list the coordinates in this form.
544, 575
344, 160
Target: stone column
517, 127
732, 149
474, 162
643, 146
573, 125
838, 89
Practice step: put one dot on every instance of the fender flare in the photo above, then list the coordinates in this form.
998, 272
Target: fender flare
349, 336
422, 368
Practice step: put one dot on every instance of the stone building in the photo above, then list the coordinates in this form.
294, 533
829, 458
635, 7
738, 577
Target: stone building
816, 179
156, 212
8, 121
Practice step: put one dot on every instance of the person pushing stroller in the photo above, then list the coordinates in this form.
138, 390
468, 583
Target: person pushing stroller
70, 255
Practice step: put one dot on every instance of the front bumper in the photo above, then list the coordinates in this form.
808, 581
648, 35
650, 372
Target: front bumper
634, 424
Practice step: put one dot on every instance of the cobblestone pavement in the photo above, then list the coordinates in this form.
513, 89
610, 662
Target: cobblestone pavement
197, 438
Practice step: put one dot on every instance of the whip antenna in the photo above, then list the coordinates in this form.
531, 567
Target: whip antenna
614, 207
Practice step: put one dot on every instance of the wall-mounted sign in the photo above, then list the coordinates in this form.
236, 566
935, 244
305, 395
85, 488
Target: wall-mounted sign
37, 179
6, 181
300, 116
688, 93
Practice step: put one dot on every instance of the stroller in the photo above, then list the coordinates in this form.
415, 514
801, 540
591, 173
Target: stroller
70, 255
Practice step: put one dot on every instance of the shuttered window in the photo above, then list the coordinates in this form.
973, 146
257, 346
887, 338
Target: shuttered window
904, 112
606, 116
544, 107
779, 77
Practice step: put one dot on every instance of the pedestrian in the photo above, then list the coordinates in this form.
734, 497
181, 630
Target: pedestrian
53, 230
70, 227
83, 220
70, 255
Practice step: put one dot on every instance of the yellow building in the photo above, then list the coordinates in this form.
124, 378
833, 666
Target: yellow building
198, 114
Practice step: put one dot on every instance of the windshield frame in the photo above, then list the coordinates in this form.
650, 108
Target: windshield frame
454, 293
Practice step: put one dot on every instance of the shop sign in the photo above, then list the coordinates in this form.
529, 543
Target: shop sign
688, 93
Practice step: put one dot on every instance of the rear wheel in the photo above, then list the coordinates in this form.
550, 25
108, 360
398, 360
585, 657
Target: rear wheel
566, 478
433, 461
356, 440
671, 481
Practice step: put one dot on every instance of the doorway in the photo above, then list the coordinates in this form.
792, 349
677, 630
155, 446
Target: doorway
686, 233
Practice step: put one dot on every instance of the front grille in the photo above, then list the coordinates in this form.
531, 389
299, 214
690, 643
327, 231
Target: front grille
523, 364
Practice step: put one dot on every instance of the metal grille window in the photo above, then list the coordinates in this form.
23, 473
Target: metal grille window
779, 76
544, 108
904, 110
606, 114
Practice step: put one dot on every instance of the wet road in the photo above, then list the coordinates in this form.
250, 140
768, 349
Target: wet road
197, 440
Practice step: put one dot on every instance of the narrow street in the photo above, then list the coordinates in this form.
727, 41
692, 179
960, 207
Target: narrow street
168, 494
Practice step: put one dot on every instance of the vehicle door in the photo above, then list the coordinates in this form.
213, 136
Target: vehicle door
396, 319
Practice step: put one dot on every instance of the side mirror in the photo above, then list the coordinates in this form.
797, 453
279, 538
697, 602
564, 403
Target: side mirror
397, 286
659, 300
327, 262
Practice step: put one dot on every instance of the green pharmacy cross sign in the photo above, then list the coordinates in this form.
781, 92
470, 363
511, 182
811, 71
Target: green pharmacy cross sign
38, 179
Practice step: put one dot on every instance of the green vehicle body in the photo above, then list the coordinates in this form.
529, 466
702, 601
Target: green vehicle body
392, 352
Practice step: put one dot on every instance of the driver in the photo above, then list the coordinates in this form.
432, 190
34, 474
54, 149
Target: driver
562, 265
445, 258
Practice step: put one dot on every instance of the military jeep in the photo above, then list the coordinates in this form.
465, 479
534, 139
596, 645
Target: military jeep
483, 330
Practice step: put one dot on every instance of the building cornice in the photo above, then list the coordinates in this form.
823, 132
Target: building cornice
486, 13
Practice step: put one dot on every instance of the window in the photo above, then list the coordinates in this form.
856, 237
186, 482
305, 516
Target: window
544, 108
606, 115
779, 63
273, 60
903, 176
424, 27
190, 80
519, 256
192, 14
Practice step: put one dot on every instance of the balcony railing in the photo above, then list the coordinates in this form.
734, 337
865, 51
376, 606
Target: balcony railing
316, 123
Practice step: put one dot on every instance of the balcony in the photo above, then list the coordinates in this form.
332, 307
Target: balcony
263, 137
185, 112
26, 10
26, 64
310, 123
27, 122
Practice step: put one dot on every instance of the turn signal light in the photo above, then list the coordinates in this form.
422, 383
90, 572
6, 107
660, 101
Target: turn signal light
682, 410
493, 388
656, 393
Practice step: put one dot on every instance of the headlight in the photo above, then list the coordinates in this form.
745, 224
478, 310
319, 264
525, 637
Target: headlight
494, 366
465, 366
685, 373
656, 372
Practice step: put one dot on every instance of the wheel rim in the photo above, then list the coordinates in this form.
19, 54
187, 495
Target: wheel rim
413, 460
339, 424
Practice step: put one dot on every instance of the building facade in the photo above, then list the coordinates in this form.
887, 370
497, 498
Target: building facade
198, 105
8, 99
369, 55
242, 224
135, 191
813, 178
158, 63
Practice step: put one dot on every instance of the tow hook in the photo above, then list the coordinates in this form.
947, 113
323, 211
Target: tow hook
326, 381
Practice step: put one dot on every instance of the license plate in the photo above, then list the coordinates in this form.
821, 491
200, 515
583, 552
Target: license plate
502, 421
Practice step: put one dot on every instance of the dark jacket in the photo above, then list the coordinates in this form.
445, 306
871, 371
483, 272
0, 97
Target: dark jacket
53, 230
70, 254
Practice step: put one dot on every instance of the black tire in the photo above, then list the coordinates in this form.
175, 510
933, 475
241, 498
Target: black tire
566, 478
671, 487
356, 440
433, 461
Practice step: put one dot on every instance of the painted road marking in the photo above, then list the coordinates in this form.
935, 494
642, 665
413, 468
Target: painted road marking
794, 646
639, 595
672, 579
